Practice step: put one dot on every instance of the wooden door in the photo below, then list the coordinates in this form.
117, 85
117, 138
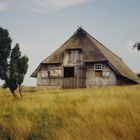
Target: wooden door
81, 77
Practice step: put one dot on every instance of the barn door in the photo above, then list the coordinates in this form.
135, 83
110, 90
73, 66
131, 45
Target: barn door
81, 77
74, 77
69, 80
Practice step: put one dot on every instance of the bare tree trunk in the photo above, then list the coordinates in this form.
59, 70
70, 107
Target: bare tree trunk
19, 87
14, 95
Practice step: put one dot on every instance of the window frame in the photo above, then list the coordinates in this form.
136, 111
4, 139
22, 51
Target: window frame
98, 69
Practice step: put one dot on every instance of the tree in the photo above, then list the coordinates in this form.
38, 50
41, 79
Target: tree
22, 66
5, 48
13, 66
137, 45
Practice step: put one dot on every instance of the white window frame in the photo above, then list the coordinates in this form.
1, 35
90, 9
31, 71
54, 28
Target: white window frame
98, 65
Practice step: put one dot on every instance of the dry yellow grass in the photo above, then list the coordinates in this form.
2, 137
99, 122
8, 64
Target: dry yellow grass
107, 113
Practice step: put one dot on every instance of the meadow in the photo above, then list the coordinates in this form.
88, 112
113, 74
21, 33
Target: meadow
106, 113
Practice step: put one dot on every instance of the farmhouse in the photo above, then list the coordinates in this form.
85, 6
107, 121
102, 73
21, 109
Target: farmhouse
82, 62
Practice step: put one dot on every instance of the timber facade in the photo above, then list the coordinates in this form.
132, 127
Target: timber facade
83, 62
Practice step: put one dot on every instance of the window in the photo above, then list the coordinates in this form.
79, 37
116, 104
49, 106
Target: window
97, 67
55, 72
43, 74
98, 70
75, 56
68, 72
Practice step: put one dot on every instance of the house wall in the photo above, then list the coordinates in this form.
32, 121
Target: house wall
79, 79
74, 58
50, 76
50, 82
108, 76
84, 76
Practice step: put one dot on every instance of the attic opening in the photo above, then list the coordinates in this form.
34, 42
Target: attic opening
68, 72
75, 56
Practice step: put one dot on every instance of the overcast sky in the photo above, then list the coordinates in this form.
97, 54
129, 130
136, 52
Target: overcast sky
41, 26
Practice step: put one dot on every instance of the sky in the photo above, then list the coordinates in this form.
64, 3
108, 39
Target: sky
42, 26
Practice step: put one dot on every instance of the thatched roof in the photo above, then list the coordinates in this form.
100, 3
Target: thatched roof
93, 51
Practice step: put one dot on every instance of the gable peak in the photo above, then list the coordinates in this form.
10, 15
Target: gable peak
80, 32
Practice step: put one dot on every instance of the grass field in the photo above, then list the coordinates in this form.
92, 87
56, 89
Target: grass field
107, 113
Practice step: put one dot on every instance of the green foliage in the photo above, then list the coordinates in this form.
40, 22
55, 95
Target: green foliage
22, 66
13, 66
5, 48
